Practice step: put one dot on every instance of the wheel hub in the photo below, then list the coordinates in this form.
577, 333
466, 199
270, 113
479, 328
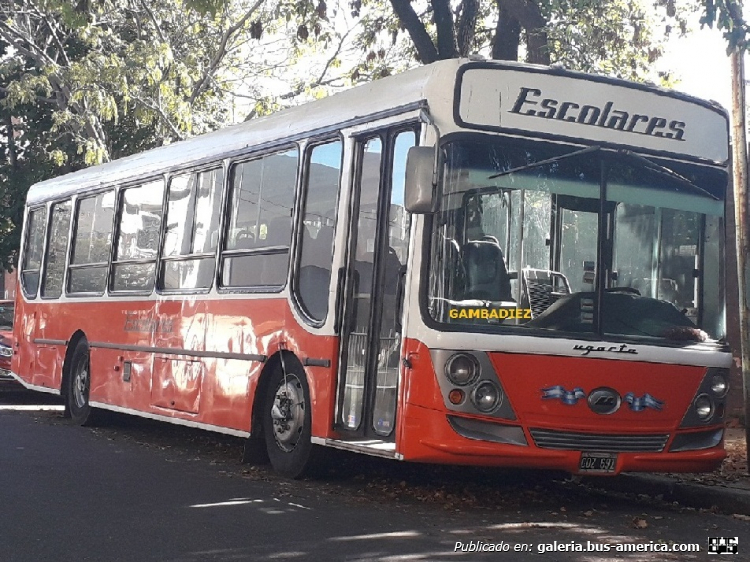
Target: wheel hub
288, 413
81, 387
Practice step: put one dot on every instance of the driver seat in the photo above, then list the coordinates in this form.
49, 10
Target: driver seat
486, 273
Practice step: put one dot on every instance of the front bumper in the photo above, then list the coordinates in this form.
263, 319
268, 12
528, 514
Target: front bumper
430, 436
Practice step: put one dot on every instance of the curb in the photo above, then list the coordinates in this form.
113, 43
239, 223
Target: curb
728, 500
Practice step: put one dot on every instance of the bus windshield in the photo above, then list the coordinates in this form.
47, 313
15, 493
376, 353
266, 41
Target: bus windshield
589, 242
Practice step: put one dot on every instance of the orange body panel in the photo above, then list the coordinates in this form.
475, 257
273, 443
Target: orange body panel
204, 387
425, 434
524, 377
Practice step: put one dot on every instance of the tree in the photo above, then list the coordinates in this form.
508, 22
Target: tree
86, 82
616, 37
369, 39
727, 16
97, 62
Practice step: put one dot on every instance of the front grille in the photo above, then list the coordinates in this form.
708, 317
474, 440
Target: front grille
550, 439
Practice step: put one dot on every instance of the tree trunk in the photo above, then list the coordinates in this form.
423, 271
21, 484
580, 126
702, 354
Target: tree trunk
467, 24
507, 38
537, 48
529, 16
415, 28
446, 41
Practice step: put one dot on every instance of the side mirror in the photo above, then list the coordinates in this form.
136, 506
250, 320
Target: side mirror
420, 192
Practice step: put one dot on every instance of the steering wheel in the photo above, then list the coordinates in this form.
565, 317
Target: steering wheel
628, 290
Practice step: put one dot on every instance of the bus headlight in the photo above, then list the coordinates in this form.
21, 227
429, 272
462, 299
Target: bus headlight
719, 384
469, 384
486, 397
462, 369
709, 400
704, 407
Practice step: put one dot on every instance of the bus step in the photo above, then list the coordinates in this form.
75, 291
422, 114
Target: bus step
375, 447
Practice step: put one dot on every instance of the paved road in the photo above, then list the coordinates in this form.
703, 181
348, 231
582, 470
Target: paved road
136, 490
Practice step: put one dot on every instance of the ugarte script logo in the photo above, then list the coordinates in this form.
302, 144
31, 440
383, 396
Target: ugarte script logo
534, 103
623, 348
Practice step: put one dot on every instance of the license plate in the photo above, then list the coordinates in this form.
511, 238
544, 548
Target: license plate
597, 462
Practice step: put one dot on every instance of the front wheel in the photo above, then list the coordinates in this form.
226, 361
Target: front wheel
78, 385
287, 423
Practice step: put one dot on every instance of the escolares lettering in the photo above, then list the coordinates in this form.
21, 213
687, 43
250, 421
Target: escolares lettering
623, 348
531, 102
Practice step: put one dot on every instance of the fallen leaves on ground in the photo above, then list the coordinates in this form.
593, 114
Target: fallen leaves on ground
734, 469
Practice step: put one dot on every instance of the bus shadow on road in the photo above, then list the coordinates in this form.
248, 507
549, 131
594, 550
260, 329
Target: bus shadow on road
26, 400
359, 477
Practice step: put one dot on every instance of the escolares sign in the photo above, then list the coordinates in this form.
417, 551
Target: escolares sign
579, 107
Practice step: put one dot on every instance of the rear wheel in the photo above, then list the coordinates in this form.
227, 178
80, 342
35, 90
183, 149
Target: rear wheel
287, 423
78, 385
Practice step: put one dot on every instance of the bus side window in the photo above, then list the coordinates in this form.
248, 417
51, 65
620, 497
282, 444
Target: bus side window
139, 226
260, 203
57, 249
316, 240
191, 234
92, 240
32, 256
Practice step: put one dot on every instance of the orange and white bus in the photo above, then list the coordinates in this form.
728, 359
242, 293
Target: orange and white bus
473, 262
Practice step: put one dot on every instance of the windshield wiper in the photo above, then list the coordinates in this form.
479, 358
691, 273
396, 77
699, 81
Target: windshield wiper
543, 162
663, 170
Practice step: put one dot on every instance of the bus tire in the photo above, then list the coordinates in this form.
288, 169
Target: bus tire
78, 386
287, 421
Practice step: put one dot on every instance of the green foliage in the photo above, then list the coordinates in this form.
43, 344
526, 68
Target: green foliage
727, 16
23, 161
614, 37
86, 82
618, 38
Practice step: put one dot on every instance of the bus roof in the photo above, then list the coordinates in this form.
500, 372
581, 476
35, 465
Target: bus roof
434, 83
380, 95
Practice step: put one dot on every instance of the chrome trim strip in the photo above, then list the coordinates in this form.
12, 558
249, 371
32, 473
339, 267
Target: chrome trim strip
43, 341
179, 351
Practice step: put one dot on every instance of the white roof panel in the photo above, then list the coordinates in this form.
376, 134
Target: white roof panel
380, 95
487, 99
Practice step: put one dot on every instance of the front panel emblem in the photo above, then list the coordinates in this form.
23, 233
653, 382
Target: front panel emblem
569, 397
640, 403
604, 401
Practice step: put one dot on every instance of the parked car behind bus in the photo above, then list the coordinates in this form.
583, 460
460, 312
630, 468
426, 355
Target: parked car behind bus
6, 346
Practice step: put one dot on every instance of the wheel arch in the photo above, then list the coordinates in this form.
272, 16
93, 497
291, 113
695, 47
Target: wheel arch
77, 336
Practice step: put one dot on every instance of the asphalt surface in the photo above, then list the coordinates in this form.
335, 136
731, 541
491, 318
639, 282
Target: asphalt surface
142, 491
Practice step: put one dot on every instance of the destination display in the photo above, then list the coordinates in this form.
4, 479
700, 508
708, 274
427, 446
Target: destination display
581, 108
